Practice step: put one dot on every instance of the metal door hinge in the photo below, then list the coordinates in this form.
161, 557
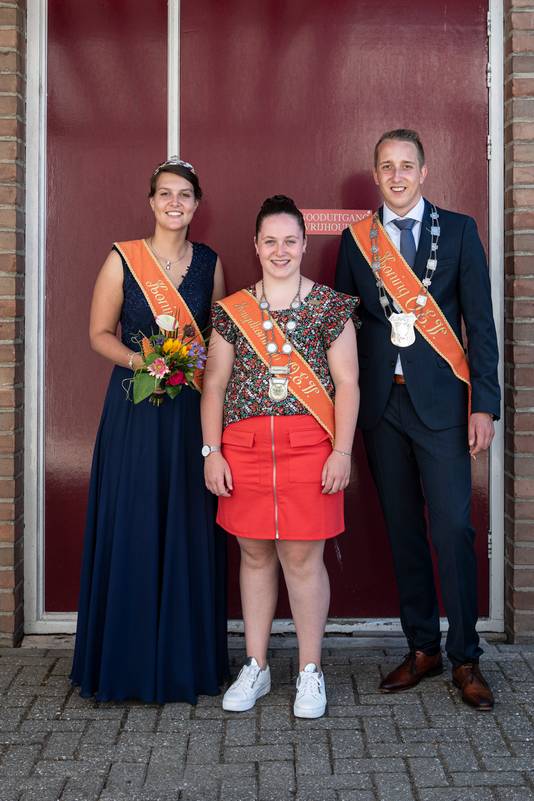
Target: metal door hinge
488, 24
490, 544
488, 147
488, 75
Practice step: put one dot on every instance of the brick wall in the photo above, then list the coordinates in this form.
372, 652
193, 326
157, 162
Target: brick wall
12, 156
519, 299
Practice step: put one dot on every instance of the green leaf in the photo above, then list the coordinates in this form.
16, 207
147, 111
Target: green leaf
172, 392
143, 386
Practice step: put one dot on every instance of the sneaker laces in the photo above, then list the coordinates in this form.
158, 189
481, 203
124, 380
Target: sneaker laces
310, 683
247, 677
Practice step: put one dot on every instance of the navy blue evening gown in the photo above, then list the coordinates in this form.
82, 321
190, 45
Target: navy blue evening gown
152, 611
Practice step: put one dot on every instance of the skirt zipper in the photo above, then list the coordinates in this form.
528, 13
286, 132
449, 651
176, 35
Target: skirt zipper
275, 496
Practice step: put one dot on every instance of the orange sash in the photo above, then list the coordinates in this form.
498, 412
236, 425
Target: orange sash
243, 308
404, 286
160, 293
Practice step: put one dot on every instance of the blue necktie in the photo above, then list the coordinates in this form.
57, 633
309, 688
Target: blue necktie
407, 242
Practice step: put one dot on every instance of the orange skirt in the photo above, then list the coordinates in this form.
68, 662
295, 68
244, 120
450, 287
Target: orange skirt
276, 465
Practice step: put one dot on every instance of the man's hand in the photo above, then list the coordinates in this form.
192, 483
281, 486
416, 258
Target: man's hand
481, 432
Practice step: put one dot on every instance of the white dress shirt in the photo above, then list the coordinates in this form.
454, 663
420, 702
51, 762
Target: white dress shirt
395, 235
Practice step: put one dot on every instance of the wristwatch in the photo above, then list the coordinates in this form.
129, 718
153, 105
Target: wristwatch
207, 449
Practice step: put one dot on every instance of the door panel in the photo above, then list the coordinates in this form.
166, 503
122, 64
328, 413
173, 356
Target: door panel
275, 97
290, 98
106, 131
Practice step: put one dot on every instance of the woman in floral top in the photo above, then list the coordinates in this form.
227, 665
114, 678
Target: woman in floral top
268, 421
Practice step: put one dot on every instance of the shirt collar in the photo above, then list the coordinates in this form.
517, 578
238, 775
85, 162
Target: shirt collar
414, 214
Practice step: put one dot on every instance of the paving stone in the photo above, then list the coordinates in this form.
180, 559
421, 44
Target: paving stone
141, 719
50, 792
402, 749
279, 718
258, 753
335, 781
346, 744
368, 765
394, 787
459, 759
126, 776
491, 779
514, 794
18, 762
356, 795
455, 794
102, 732
61, 745
239, 789
380, 731
165, 770
312, 754
204, 748
240, 732
277, 779
427, 772
87, 789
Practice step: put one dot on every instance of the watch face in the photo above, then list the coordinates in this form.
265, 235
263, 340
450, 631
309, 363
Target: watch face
206, 450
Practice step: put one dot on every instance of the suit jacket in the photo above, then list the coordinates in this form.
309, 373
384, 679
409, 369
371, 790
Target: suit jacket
461, 287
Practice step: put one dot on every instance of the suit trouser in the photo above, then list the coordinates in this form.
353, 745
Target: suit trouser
411, 463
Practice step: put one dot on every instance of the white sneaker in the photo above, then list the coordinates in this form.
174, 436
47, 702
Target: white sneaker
311, 693
251, 684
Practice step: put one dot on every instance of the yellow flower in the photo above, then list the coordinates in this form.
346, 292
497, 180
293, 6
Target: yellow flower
171, 346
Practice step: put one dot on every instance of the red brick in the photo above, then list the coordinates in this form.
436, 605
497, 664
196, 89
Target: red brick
518, 442
520, 219
518, 265
521, 151
519, 509
523, 579
519, 62
522, 21
522, 41
522, 197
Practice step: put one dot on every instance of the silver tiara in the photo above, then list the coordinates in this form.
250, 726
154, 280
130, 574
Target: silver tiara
175, 162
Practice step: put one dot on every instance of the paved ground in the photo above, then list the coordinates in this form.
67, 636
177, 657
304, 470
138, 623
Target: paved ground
423, 745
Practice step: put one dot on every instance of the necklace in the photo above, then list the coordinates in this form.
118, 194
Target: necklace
278, 374
403, 323
167, 263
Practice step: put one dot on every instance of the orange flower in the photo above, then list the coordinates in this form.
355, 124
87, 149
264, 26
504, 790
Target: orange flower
147, 347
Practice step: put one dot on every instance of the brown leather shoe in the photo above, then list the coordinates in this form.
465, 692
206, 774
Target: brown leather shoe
416, 666
475, 689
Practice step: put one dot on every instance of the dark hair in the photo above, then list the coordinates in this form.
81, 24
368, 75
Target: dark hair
404, 135
178, 169
279, 204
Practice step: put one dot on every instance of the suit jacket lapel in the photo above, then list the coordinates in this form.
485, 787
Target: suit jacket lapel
423, 248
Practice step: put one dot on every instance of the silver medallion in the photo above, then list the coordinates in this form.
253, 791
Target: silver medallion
402, 329
278, 388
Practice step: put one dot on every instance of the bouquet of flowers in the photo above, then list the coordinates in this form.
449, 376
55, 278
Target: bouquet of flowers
170, 362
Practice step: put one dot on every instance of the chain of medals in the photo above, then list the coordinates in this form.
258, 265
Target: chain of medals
278, 374
403, 323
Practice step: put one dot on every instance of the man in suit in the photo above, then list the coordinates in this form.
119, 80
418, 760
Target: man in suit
414, 416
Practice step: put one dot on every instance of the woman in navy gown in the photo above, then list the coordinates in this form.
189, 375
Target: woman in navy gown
152, 611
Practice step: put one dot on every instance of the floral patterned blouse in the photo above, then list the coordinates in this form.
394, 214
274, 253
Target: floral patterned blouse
320, 320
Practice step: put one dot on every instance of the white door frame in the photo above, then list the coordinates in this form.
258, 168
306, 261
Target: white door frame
37, 621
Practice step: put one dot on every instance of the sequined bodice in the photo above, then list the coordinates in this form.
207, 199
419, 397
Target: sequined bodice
196, 289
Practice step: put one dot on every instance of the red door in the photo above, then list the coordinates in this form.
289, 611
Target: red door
290, 98
275, 97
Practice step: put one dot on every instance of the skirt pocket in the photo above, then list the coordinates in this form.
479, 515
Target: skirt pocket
238, 450
309, 450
